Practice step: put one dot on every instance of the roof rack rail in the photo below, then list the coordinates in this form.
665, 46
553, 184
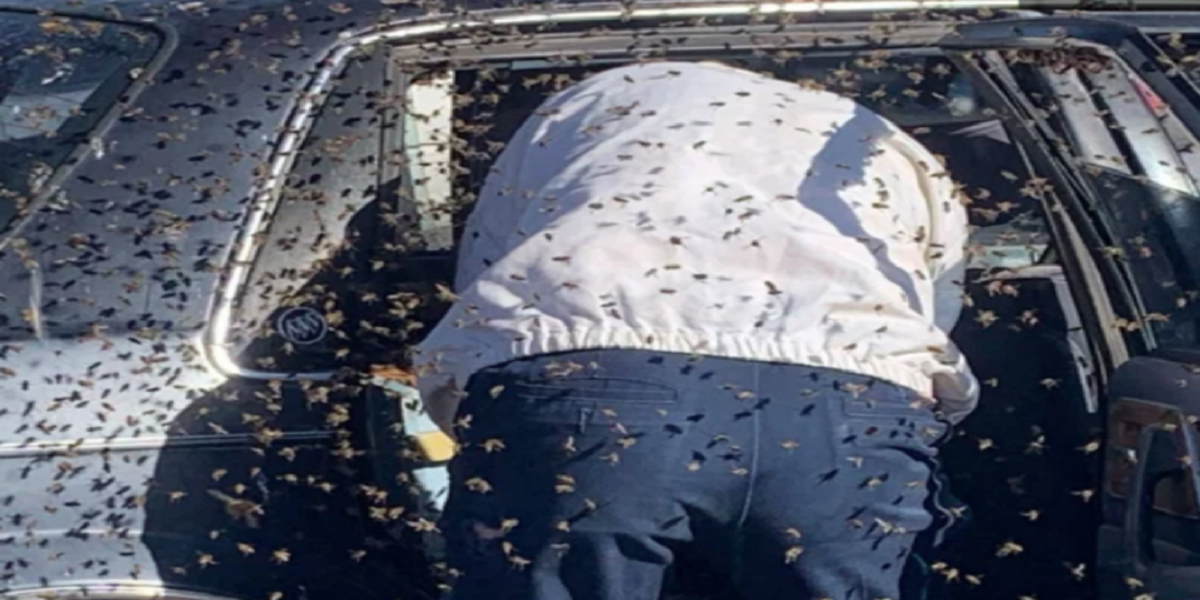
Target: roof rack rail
1131, 5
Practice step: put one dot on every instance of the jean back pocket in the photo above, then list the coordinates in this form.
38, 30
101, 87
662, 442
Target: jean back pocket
585, 400
889, 414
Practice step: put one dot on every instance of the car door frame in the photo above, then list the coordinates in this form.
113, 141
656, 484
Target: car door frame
553, 45
1153, 24
1142, 402
1094, 279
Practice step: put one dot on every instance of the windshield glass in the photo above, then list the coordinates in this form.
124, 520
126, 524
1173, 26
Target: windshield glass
58, 77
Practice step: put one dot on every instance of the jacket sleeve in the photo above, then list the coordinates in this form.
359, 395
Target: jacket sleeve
488, 231
954, 385
497, 211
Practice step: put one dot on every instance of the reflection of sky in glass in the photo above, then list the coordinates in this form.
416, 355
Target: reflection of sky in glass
48, 88
25, 115
427, 147
51, 70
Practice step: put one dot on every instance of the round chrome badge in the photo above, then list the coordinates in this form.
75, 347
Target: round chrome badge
302, 325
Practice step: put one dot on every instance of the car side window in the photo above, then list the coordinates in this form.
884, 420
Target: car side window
1140, 163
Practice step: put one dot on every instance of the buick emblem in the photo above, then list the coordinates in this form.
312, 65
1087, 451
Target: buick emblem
302, 325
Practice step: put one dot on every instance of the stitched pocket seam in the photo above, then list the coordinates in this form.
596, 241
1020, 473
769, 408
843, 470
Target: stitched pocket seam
649, 394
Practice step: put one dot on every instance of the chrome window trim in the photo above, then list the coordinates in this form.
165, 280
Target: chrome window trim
1154, 149
1088, 128
565, 46
303, 112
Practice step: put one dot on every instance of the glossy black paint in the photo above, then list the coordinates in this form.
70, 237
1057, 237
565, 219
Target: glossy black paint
120, 447
190, 147
118, 450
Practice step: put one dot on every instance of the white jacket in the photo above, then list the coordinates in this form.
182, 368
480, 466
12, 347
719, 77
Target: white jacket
699, 208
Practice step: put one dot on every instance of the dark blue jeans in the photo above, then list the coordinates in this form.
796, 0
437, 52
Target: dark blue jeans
581, 472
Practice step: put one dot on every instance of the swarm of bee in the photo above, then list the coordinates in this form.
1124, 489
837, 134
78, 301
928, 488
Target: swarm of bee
257, 472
